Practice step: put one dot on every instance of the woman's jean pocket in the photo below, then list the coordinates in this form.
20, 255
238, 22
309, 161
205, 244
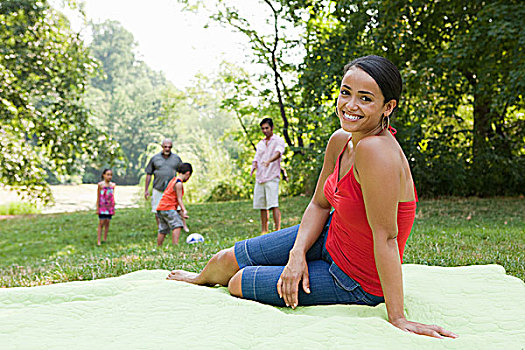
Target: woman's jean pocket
355, 292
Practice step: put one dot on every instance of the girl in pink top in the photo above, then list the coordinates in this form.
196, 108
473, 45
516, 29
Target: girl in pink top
105, 203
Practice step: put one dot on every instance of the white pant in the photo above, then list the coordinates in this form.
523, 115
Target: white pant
156, 195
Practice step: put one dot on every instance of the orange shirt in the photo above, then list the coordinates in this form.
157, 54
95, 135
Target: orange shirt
169, 198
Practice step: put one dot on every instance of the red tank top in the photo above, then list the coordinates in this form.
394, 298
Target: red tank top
169, 199
350, 242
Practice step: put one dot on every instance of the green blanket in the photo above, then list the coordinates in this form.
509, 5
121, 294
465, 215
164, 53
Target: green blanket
142, 310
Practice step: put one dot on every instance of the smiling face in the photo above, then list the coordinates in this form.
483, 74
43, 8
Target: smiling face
361, 104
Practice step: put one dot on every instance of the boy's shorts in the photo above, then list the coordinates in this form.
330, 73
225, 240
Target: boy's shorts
266, 195
168, 221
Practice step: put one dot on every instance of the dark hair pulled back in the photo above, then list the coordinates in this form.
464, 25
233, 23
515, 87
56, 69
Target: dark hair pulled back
384, 72
104, 173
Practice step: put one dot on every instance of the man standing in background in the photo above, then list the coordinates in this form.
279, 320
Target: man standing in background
267, 161
163, 166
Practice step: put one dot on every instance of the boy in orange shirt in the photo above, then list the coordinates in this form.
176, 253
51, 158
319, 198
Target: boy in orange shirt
169, 217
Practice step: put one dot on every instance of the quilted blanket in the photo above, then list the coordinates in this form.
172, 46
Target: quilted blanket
142, 310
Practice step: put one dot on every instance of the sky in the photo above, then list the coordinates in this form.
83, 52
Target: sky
172, 40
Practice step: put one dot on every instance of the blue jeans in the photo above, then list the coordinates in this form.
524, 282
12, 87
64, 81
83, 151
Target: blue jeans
263, 259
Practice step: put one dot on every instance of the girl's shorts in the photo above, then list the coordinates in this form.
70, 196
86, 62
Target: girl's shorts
263, 259
104, 216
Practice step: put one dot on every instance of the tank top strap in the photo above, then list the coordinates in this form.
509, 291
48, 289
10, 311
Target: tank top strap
340, 154
344, 148
392, 130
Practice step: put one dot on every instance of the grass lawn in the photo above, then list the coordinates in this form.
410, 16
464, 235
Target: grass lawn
52, 248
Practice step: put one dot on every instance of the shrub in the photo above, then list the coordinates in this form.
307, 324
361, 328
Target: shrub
18, 208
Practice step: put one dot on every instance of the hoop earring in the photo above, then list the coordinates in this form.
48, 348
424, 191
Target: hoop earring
336, 112
385, 122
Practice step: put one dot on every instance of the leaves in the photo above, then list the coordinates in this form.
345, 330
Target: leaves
44, 124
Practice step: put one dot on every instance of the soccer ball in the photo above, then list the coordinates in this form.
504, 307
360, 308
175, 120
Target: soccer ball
194, 238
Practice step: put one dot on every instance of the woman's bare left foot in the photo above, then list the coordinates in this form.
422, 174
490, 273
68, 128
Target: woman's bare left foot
184, 276
187, 276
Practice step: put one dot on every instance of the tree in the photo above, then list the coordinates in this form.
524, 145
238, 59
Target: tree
44, 124
461, 119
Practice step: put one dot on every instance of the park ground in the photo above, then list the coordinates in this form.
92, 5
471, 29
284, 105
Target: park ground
52, 248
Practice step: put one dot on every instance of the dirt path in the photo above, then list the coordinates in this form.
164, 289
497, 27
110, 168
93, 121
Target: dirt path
79, 197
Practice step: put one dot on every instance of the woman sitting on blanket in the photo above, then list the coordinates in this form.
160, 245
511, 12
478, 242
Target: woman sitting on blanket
354, 255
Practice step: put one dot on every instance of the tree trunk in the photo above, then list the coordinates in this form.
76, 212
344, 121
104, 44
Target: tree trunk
482, 126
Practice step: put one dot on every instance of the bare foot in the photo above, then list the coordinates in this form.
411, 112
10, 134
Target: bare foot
187, 276
184, 276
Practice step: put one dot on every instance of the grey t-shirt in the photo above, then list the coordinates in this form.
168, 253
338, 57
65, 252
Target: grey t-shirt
162, 169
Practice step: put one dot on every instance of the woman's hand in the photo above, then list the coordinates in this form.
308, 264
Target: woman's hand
288, 284
422, 329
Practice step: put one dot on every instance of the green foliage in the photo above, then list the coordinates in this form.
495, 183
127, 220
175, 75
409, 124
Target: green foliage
18, 208
461, 117
44, 125
62, 247
226, 191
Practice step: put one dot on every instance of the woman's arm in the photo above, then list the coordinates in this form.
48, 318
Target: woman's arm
312, 223
380, 175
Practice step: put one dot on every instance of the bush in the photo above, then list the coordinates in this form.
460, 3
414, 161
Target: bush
18, 208
224, 192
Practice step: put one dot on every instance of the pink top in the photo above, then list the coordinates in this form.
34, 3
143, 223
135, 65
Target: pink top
265, 150
106, 204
